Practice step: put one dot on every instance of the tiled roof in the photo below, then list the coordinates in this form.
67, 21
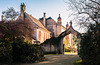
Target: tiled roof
37, 22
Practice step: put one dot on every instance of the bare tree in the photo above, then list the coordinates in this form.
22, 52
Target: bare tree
10, 14
85, 11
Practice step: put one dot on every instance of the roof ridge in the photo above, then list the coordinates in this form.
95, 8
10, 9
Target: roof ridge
37, 22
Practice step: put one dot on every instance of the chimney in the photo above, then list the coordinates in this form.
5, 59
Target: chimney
2, 17
44, 19
22, 7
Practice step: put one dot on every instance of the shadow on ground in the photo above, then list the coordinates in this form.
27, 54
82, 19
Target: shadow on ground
66, 59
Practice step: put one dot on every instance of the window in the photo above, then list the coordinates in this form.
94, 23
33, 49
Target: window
44, 36
39, 35
48, 35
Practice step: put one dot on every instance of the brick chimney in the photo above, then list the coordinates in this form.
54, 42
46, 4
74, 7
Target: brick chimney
44, 19
22, 7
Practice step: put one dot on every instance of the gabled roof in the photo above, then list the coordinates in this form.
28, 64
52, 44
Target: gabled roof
73, 31
37, 22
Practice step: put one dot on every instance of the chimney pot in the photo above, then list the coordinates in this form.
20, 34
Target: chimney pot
44, 14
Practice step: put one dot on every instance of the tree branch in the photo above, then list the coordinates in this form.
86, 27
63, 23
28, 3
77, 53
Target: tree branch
89, 16
95, 2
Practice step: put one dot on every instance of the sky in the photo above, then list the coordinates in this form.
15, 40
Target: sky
36, 8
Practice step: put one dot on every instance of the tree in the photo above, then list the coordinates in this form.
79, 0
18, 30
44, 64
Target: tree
10, 14
75, 40
14, 35
12, 30
85, 11
90, 46
66, 45
88, 11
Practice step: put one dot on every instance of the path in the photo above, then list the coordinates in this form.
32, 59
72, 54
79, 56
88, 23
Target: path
67, 59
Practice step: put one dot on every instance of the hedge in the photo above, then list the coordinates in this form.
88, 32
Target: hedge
20, 52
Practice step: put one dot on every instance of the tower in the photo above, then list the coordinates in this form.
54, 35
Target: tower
59, 25
22, 7
59, 20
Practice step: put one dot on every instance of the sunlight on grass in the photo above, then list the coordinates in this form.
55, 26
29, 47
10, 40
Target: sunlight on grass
67, 52
78, 62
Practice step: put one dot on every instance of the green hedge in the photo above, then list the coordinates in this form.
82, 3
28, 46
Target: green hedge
20, 52
5, 52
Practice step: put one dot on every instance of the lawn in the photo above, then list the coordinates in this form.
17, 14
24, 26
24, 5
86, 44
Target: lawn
67, 52
78, 62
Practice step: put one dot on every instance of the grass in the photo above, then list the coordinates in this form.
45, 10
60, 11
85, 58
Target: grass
67, 52
51, 53
78, 62
57, 53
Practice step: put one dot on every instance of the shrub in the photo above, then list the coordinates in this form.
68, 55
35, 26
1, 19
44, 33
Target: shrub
18, 51
26, 52
5, 52
90, 47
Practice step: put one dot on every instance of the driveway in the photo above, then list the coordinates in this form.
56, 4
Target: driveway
66, 59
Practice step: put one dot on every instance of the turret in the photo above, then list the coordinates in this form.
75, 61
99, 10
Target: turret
22, 8
59, 20
59, 27
70, 23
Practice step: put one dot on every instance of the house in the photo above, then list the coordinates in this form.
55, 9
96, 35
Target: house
44, 28
54, 27
40, 31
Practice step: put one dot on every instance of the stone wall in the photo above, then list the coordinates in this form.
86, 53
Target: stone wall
49, 48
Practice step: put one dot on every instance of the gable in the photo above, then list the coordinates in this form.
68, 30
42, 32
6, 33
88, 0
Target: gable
37, 22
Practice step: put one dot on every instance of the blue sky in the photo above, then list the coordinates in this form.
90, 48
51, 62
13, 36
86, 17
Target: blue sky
36, 8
